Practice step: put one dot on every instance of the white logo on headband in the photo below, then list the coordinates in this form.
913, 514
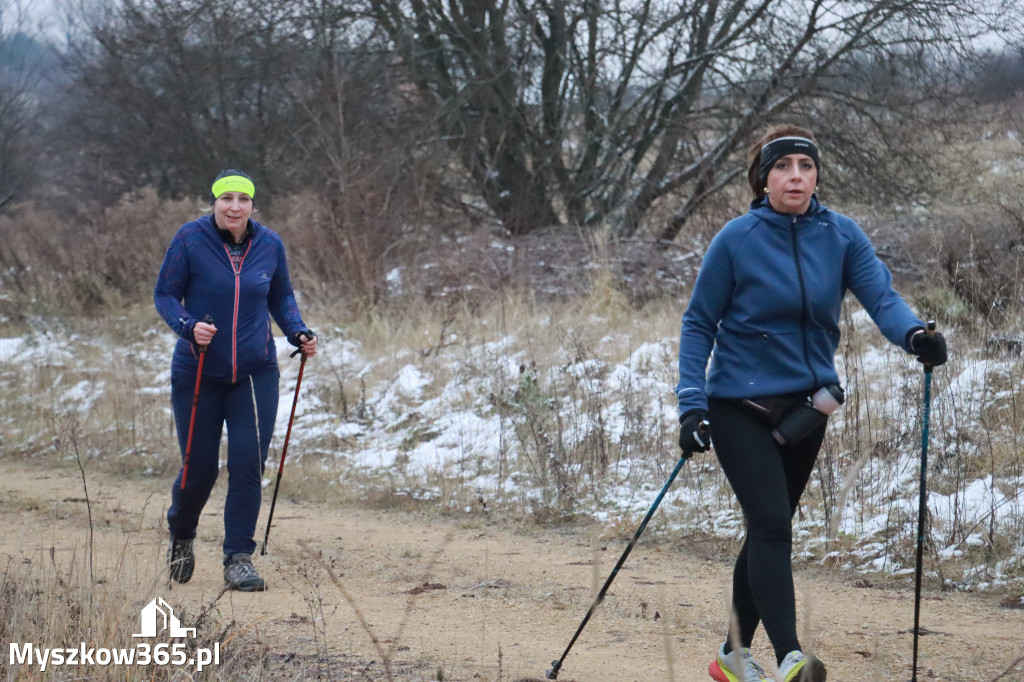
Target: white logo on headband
792, 141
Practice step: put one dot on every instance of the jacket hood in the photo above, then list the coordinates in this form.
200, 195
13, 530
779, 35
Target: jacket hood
762, 208
209, 227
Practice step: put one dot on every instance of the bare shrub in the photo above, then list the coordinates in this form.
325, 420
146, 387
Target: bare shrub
983, 261
105, 263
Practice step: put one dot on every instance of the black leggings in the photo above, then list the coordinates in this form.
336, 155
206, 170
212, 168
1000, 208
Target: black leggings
768, 480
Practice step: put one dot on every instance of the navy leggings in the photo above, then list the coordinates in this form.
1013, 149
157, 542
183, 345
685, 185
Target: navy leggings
249, 408
768, 480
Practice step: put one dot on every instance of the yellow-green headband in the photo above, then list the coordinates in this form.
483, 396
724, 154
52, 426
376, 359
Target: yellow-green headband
234, 183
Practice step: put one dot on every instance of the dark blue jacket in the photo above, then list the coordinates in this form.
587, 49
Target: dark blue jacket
197, 278
768, 298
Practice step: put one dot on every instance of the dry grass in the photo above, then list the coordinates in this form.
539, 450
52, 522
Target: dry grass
65, 600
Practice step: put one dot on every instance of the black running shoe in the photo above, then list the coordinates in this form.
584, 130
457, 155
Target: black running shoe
181, 559
240, 575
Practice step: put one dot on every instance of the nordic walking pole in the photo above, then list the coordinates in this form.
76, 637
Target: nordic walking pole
284, 451
188, 441
922, 507
552, 674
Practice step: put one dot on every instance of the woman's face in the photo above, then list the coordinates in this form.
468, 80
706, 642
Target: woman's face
791, 182
232, 211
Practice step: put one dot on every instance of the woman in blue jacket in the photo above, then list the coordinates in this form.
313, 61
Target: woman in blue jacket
223, 277
767, 300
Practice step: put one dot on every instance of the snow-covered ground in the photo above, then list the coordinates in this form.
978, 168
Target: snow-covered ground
483, 423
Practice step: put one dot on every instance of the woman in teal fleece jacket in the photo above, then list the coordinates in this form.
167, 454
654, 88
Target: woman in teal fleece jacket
223, 278
767, 302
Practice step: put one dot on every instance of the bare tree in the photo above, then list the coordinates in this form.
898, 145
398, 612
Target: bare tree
167, 91
18, 104
369, 152
580, 112
590, 112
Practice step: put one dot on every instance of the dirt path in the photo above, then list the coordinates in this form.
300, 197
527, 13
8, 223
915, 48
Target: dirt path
478, 601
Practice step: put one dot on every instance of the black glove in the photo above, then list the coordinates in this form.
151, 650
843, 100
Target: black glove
693, 437
929, 349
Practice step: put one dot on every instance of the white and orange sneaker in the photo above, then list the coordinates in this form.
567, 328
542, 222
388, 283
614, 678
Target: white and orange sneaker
738, 666
796, 667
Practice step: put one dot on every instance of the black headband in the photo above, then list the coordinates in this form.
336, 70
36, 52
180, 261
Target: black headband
784, 146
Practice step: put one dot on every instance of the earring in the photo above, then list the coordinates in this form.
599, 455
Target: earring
766, 190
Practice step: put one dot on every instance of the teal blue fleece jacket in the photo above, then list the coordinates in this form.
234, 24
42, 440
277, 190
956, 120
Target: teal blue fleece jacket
767, 300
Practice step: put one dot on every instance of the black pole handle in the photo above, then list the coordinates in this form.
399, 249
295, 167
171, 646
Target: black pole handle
309, 334
929, 329
208, 319
702, 430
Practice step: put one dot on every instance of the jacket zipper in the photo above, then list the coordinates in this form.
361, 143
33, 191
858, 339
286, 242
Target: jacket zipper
803, 300
234, 321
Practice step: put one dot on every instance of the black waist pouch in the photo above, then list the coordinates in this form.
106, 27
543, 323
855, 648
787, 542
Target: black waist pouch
771, 409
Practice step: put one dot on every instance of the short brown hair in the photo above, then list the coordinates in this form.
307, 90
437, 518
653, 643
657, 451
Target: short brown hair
754, 153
